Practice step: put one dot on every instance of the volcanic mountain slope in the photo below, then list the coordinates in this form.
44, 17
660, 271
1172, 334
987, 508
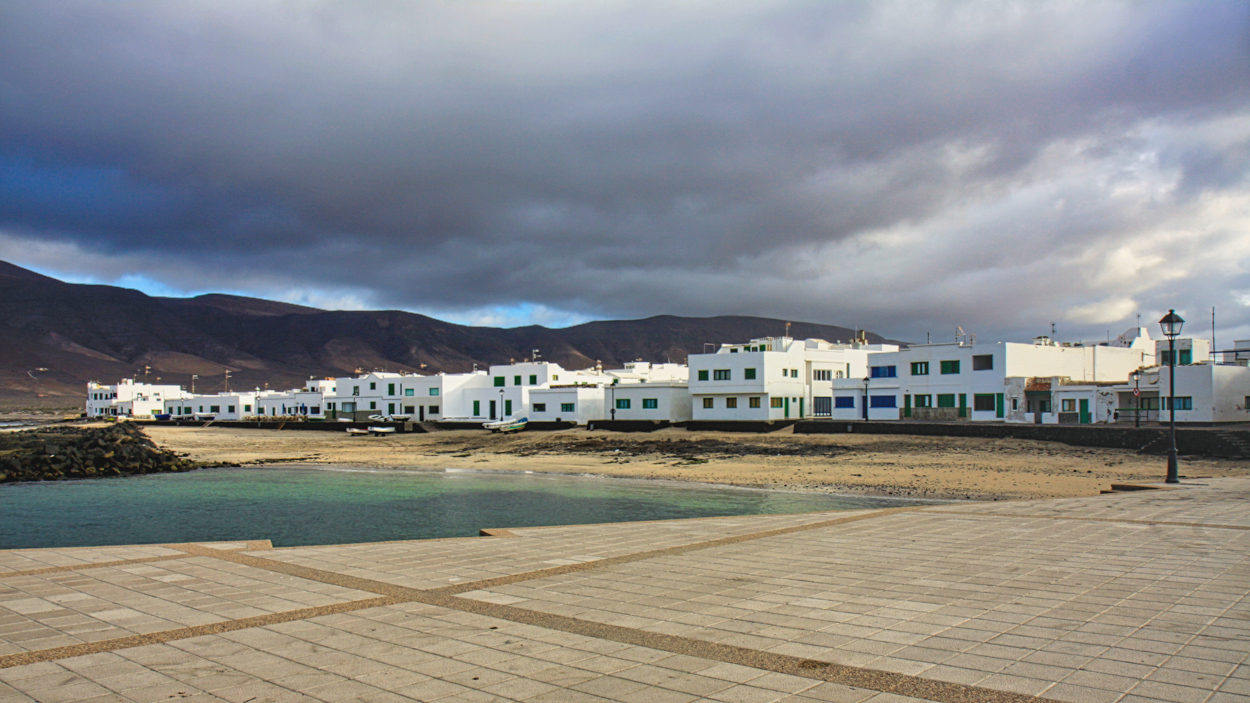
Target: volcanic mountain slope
83, 332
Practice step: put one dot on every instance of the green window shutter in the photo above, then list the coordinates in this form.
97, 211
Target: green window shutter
999, 406
907, 406
507, 408
703, 375
477, 408
533, 379
499, 381
749, 374
390, 389
963, 403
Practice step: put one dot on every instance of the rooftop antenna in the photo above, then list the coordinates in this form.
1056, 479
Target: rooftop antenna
1212, 333
534, 355
227, 380
193, 379
1052, 330
787, 329
926, 337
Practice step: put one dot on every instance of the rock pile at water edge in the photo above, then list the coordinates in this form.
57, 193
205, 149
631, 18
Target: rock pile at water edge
48, 454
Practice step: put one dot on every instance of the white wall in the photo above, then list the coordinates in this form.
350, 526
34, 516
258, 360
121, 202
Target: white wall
588, 404
672, 401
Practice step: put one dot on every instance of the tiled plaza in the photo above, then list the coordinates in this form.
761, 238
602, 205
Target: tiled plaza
1127, 597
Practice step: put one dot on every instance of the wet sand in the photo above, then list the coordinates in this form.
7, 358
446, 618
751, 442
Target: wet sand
922, 467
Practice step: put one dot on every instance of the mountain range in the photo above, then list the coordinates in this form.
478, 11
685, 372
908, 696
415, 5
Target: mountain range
56, 336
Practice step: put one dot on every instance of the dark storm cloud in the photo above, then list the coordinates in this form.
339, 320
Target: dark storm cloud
906, 164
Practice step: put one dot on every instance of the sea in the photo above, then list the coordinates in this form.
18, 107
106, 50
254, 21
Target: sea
294, 506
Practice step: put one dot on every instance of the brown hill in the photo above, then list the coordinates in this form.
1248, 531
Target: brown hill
90, 332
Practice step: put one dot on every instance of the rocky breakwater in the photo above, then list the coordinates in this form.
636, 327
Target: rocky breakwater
73, 452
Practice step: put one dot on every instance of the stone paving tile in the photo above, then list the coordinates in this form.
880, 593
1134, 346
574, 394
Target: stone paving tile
436, 563
400, 653
30, 559
1191, 502
72, 607
1018, 604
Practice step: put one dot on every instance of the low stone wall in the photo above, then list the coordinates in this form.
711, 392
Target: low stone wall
629, 425
1148, 440
328, 426
757, 426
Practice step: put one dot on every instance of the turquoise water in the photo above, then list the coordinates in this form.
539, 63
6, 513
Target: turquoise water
300, 506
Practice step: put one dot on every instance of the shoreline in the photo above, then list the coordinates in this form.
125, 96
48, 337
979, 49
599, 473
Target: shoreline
803, 490
937, 468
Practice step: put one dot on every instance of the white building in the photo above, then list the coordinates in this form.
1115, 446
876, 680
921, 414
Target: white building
774, 378
129, 399
221, 406
571, 402
981, 382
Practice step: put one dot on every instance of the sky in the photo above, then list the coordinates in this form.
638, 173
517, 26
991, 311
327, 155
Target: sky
906, 167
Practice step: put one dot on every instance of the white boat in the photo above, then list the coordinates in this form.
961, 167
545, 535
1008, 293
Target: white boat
381, 430
401, 418
506, 425
390, 418
354, 431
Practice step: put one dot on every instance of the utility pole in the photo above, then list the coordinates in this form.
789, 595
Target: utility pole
227, 380
193, 378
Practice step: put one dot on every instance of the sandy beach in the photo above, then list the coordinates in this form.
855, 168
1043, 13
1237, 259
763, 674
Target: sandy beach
929, 467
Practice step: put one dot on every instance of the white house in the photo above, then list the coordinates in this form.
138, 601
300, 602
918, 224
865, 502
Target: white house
221, 406
650, 400
970, 381
571, 402
129, 399
774, 378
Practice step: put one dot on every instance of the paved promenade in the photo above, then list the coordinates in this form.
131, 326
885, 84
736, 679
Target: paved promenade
1129, 597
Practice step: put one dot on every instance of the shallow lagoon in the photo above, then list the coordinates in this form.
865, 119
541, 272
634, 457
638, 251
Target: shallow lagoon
301, 506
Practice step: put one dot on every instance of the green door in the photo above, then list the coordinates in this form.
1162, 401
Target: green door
787, 408
907, 406
999, 410
507, 408
801, 400
1085, 418
963, 405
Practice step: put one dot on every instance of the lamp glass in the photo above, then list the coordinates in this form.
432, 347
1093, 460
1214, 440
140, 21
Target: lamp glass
1171, 324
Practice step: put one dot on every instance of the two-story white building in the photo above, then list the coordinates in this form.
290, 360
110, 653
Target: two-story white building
639, 391
981, 382
774, 378
129, 399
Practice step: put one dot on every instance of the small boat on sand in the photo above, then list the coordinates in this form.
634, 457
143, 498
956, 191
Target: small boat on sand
375, 431
506, 425
356, 431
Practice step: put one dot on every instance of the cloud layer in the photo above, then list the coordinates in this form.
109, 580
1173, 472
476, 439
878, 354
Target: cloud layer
899, 165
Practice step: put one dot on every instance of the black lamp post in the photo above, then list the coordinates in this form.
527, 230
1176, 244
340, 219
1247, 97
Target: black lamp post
1171, 324
867, 404
612, 387
1136, 399
501, 413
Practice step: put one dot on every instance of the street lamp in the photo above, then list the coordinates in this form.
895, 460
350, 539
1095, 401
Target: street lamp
612, 387
501, 415
866, 403
1171, 324
1136, 398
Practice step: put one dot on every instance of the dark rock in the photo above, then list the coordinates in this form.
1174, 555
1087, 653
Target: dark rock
69, 452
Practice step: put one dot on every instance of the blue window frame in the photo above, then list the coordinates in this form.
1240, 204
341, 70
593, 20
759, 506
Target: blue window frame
844, 402
882, 401
884, 372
